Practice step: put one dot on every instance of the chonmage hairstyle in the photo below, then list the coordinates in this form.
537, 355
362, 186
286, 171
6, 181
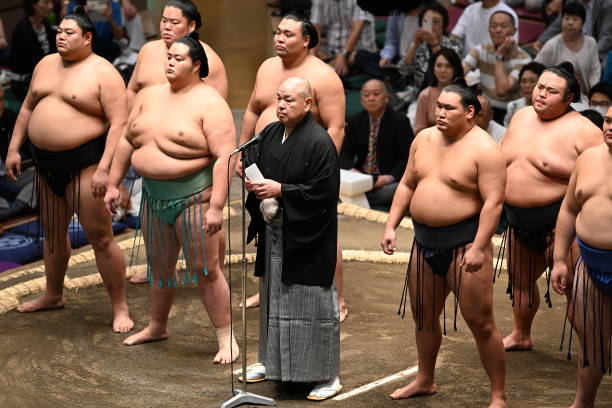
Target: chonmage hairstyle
565, 70
80, 17
190, 11
468, 95
308, 29
196, 51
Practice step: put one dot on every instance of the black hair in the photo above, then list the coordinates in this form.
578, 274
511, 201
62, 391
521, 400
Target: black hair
388, 7
452, 58
80, 17
534, 67
190, 11
574, 8
196, 51
308, 29
438, 8
28, 7
565, 70
593, 116
506, 13
468, 95
601, 87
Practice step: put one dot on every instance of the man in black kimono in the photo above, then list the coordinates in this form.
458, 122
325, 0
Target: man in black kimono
293, 213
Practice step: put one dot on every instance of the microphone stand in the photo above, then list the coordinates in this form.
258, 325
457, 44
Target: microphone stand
242, 396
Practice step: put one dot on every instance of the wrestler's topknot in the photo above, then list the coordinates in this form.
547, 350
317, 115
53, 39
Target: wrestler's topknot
566, 71
467, 94
196, 51
80, 17
308, 29
190, 11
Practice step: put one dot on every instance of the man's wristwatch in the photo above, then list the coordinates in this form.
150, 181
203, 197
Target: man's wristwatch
346, 53
499, 57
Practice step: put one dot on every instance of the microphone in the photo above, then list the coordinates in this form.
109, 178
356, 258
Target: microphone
255, 140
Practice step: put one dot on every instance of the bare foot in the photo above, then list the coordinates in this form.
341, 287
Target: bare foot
251, 302
146, 335
412, 390
122, 323
43, 302
224, 357
497, 404
517, 342
343, 312
140, 277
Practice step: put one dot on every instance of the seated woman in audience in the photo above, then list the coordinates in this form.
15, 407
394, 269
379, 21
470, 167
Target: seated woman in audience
33, 37
445, 68
528, 78
428, 39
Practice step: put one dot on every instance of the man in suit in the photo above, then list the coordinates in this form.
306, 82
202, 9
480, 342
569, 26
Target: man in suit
377, 142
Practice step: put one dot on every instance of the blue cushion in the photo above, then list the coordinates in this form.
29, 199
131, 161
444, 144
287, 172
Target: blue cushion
20, 249
78, 238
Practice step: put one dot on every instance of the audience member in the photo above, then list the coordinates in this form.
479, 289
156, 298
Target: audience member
399, 34
5, 55
573, 46
528, 78
343, 28
533, 6
106, 18
133, 26
445, 68
500, 60
597, 24
483, 119
472, 25
600, 97
429, 38
594, 116
377, 142
15, 196
607, 75
33, 37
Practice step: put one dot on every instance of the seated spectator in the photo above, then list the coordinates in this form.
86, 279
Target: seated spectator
528, 78
429, 38
573, 46
473, 22
499, 60
33, 37
483, 119
600, 97
107, 20
133, 26
532, 6
18, 196
445, 68
594, 116
5, 56
377, 142
343, 28
597, 24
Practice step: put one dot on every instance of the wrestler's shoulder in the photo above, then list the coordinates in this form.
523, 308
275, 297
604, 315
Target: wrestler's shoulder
481, 141
102, 67
209, 50
48, 60
151, 46
593, 155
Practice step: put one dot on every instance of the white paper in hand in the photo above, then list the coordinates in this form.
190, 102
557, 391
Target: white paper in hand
253, 173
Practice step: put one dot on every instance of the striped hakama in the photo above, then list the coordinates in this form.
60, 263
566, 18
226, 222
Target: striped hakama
299, 331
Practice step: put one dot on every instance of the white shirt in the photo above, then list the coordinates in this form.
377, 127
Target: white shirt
496, 131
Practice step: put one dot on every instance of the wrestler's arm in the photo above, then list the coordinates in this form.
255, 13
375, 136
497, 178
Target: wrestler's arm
589, 136
133, 87
332, 105
220, 133
401, 200
491, 168
565, 232
113, 99
13, 158
124, 149
217, 77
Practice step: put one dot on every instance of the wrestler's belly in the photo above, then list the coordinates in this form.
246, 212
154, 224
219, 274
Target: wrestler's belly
594, 222
149, 161
527, 187
55, 126
436, 204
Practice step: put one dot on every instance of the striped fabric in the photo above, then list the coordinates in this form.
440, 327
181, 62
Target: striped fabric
299, 330
483, 58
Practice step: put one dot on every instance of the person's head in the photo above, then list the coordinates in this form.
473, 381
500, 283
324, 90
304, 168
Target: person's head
501, 26
179, 18
456, 108
37, 8
75, 35
573, 16
435, 16
594, 116
607, 127
528, 78
295, 35
294, 100
374, 97
601, 95
556, 89
484, 116
446, 67
186, 60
